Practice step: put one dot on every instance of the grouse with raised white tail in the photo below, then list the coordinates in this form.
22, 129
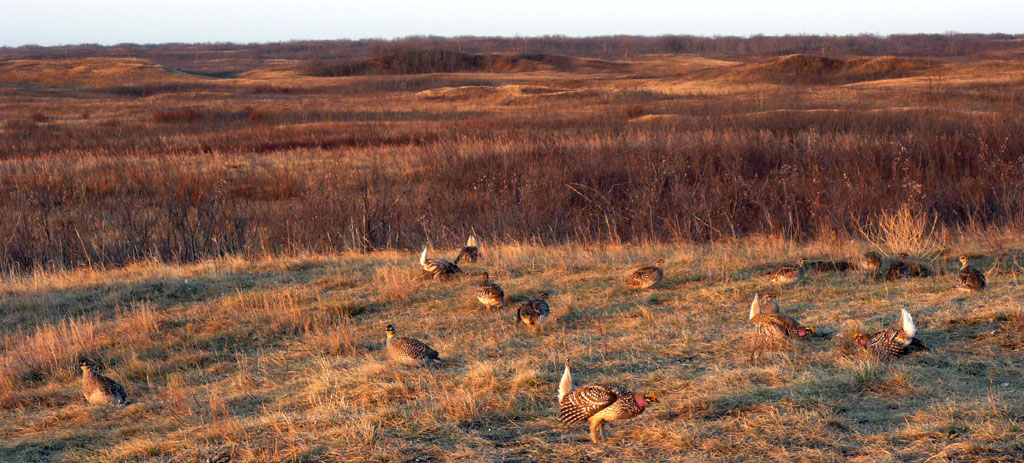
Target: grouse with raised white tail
891, 342
598, 404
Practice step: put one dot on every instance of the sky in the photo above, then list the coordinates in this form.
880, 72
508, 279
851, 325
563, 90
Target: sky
61, 22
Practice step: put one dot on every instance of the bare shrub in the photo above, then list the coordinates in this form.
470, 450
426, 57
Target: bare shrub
635, 110
905, 230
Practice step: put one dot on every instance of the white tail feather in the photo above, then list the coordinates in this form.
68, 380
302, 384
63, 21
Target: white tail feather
471, 242
565, 385
423, 257
755, 307
908, 324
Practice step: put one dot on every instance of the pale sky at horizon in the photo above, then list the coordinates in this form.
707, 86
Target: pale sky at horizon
61, 22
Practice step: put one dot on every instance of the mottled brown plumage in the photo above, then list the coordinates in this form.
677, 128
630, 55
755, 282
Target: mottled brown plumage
598, 404
437, 268
968, 278
771, 325
788, 274
871, 261
471, 253
764, 304
823, 266
919, 270
99, 389
772, 329
534, 311
776, 327
490, 294
408, 351
646, 277
889, 343
898, 269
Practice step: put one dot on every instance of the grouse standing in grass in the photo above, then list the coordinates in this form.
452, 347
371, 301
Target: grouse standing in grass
408, 351
788, 274
969, 279
597, 404
489, 294
534, 311
871, 261
100, 390
646, 277
898, 269
890, 342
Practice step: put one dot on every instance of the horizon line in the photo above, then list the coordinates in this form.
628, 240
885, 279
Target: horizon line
1015, 35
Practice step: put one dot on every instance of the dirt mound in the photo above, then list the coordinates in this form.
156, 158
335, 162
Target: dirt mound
90, 73
818, 69
801, 65
519, 62
887, 67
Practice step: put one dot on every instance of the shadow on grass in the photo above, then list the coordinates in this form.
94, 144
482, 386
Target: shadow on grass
24, 310
54, 448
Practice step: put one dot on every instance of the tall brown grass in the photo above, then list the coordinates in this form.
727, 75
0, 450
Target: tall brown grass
568, 161
599, 180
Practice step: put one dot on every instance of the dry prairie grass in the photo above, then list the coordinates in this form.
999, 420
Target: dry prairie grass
661, 147
281, 359
229, 247
89, 72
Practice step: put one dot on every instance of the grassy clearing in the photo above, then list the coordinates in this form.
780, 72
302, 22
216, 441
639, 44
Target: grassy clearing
281, 359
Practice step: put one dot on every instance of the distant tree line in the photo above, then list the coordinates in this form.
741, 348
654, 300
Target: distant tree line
399, 59
219, 57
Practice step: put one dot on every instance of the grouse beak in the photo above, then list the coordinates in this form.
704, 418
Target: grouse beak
812, 330
650, 398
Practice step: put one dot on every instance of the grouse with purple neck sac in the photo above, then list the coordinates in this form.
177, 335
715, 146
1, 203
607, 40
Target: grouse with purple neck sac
771, 325
598, 404
890, 342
